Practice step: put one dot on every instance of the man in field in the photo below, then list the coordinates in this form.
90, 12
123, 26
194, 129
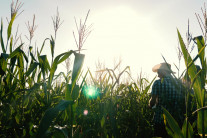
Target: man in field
165, 93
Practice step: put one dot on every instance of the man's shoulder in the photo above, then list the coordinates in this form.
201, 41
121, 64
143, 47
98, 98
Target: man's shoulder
157, 82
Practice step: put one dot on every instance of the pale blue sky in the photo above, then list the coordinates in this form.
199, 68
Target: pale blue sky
137, 30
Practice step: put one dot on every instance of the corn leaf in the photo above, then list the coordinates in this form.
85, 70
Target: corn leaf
192, 71
24, 55
16, 51
199, 80
173, 124
31, 54
190, 129
68, 95
52, 46
75, 93
201, 50
202, 119
78, 63
83, 81
10, 26
49, 116
43, 45
11, 42
12, 63
32, 68
1, 38
201, 44
57, 61
44, 64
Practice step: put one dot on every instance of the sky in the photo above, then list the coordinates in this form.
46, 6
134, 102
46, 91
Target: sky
137, 31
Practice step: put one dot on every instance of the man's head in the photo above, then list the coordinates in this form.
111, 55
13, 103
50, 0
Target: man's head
163, 69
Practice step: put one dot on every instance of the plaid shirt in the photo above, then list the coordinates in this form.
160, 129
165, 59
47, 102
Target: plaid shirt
168, 97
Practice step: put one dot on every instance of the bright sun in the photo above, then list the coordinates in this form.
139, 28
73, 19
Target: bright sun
120, 32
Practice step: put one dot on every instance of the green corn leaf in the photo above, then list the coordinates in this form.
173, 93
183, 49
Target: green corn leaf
148, 87
12, 63
58, 75
64, 57
114, 75
44, 64
92, 76
17, 118
83, 81
16, 51
1, 38
170, 133
193, 81
32, 68
68, 95
50, 115
173, 124
75, 93
78, 63
137, 88
43, 45
192, 71
197, 56
202, 119
57, 61
3, 63
39, 77
5, 56
24, 55
190, 129
198, 86
201, 53
200, 45
11, 42
10, 26
20, 63
67, 78
31, 54
52, 46
102, 121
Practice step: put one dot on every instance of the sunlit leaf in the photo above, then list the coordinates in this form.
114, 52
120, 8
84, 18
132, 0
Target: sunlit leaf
11, 42
192, 71
57, 61
43, 45
173, 124
10, 26
1, 38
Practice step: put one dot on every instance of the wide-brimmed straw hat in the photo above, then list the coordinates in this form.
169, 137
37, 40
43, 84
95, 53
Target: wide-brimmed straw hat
162, 66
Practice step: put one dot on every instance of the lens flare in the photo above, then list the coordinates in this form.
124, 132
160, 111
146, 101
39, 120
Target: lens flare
85, 112
91, 92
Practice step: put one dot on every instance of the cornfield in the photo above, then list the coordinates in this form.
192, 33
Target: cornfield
33, 103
